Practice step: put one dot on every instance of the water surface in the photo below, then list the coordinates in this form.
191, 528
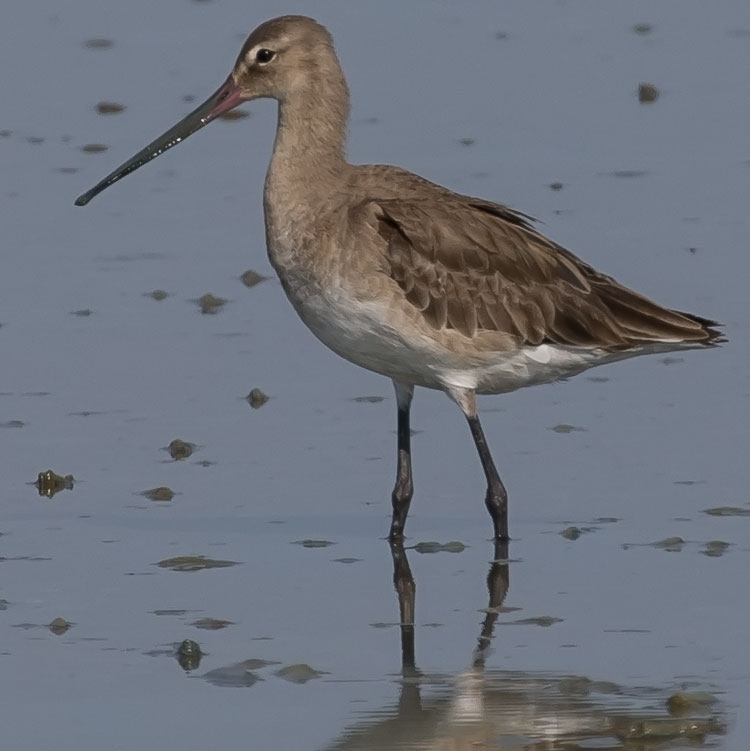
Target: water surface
597, 627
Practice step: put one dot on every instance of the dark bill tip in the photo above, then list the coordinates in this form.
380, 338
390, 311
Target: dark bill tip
84, 198
225, 98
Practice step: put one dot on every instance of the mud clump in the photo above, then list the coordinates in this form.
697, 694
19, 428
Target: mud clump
162, 493
179, 449
210, 304
49, 483
250, 278
257, 398
109, 108
647, 93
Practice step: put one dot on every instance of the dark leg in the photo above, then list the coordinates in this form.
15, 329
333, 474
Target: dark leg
497, 497
404, 488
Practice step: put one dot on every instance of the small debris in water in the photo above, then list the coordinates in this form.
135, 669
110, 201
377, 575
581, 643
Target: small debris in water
83, 313
257, 398
501, 35
626, 173
439, 547
48, 483
689, 482
715, 548
580, 685
565, 428
347, 560
157, 294
98, 43
35, 139
684, 702
59, 626
556, 186
545, 621
109, 108
313, 543
11, 424
571, 533
643, 28
250, 278
234, 115
67, 170
162, 493
467, 141
193, 563
179, 449
211, 624
672, 360
597, 379
727, 511
210, 304
368, 399
189, 655
670, 544
189, 647
239, 675
659, 729
647, 93
299, 673
94, 148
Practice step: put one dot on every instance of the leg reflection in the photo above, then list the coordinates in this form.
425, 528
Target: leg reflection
498, 583
410, 700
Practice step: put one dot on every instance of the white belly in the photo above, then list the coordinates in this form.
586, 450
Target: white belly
370, 335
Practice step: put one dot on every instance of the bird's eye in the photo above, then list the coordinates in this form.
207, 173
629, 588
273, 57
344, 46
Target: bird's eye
264, 56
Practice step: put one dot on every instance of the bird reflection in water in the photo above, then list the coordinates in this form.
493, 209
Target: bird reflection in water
492, 709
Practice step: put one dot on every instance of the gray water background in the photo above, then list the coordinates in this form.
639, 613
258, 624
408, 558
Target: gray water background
546, 92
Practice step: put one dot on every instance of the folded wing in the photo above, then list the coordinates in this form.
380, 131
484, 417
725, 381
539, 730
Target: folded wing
471, 265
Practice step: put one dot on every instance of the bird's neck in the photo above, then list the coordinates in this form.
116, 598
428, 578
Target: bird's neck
309, 155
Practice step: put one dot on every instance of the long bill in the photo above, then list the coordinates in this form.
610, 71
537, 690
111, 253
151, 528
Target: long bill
225, 98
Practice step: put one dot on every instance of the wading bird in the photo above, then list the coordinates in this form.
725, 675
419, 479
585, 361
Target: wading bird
408, 279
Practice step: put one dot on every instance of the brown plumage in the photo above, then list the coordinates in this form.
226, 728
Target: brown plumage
408, 279
488, 269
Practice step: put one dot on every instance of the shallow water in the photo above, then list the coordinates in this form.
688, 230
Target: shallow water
98, 378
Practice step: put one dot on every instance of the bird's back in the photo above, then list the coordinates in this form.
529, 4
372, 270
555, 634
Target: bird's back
472, 266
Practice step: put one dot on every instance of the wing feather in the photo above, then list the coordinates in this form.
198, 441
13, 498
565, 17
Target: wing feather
472, 266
